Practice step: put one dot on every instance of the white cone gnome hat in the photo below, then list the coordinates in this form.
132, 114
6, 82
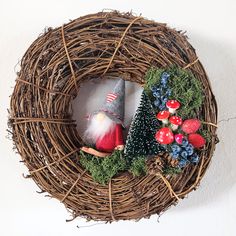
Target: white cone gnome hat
114, 103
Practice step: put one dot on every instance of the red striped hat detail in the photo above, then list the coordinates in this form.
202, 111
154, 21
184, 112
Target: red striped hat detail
111, 97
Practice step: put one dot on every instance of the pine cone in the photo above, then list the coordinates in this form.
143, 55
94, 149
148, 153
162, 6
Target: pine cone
155, 164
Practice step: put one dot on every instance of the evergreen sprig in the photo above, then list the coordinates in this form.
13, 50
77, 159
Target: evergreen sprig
141, 137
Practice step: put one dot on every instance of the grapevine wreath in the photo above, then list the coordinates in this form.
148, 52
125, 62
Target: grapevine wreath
171, 138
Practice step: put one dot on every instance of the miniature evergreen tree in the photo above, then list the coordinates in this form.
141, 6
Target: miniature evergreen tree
141, 137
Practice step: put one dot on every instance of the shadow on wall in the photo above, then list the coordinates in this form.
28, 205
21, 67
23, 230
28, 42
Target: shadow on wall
219, 61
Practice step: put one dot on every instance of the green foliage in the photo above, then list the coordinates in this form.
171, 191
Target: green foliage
103, 169
185, 88
138, 166
169, 170
141, 137
206, 134
152, 78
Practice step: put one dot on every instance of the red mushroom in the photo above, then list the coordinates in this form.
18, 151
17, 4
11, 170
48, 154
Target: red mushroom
172, 105
196, 140
163, 116
164, 136
191, 126
175, 122
179, 138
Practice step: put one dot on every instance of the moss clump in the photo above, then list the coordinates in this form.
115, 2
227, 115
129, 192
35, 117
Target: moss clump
169, 170
103, 169
138, 166
185, 88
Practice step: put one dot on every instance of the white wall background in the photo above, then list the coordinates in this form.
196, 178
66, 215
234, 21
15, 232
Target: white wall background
209, 211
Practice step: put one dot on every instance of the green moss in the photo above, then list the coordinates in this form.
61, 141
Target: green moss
138, 166
205, 134
103, 169
184, 86
172, 170
152, 78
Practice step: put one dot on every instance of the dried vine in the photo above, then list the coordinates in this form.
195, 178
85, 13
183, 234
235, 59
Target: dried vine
99, 45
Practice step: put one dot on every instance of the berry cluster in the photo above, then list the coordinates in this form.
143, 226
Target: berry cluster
177, 136
161, 92
184, 152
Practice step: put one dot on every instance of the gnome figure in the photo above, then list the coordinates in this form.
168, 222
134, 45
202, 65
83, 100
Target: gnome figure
105, 128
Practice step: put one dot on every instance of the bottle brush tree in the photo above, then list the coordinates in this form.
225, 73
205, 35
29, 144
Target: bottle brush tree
141, 136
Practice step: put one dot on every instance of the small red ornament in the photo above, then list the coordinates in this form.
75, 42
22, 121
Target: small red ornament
179, 138
191, 126
175, 122
163, 116
196, 140
164, 136
172, 105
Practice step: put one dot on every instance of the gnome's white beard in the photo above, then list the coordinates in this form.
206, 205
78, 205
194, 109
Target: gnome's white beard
97, 129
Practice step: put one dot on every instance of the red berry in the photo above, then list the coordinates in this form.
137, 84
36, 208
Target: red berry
191, 126
179, 138
196, 140
164, 136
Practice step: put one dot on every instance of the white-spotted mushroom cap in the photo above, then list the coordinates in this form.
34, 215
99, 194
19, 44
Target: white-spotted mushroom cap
175, 120
173, 104
163, 115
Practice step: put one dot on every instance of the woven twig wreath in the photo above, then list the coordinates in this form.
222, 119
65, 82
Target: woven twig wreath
52, 70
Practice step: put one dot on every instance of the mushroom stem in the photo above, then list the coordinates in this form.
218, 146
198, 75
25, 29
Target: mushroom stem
172, 110
174, 127
165, 121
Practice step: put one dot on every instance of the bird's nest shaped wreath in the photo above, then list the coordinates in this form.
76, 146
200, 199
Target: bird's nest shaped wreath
101, 45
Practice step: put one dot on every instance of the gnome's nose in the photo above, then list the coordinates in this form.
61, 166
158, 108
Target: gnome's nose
100, 116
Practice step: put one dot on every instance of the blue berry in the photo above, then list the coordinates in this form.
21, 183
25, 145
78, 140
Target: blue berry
153, 89
184, 154
164, 79
175, 152
174, 155
157, 102
185, 143
190, 145
162, 107
189, 149
176, 148
194, 158
165, 100
165, 76
161, 91
164, 85
168, 92
156, 94
182, 163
